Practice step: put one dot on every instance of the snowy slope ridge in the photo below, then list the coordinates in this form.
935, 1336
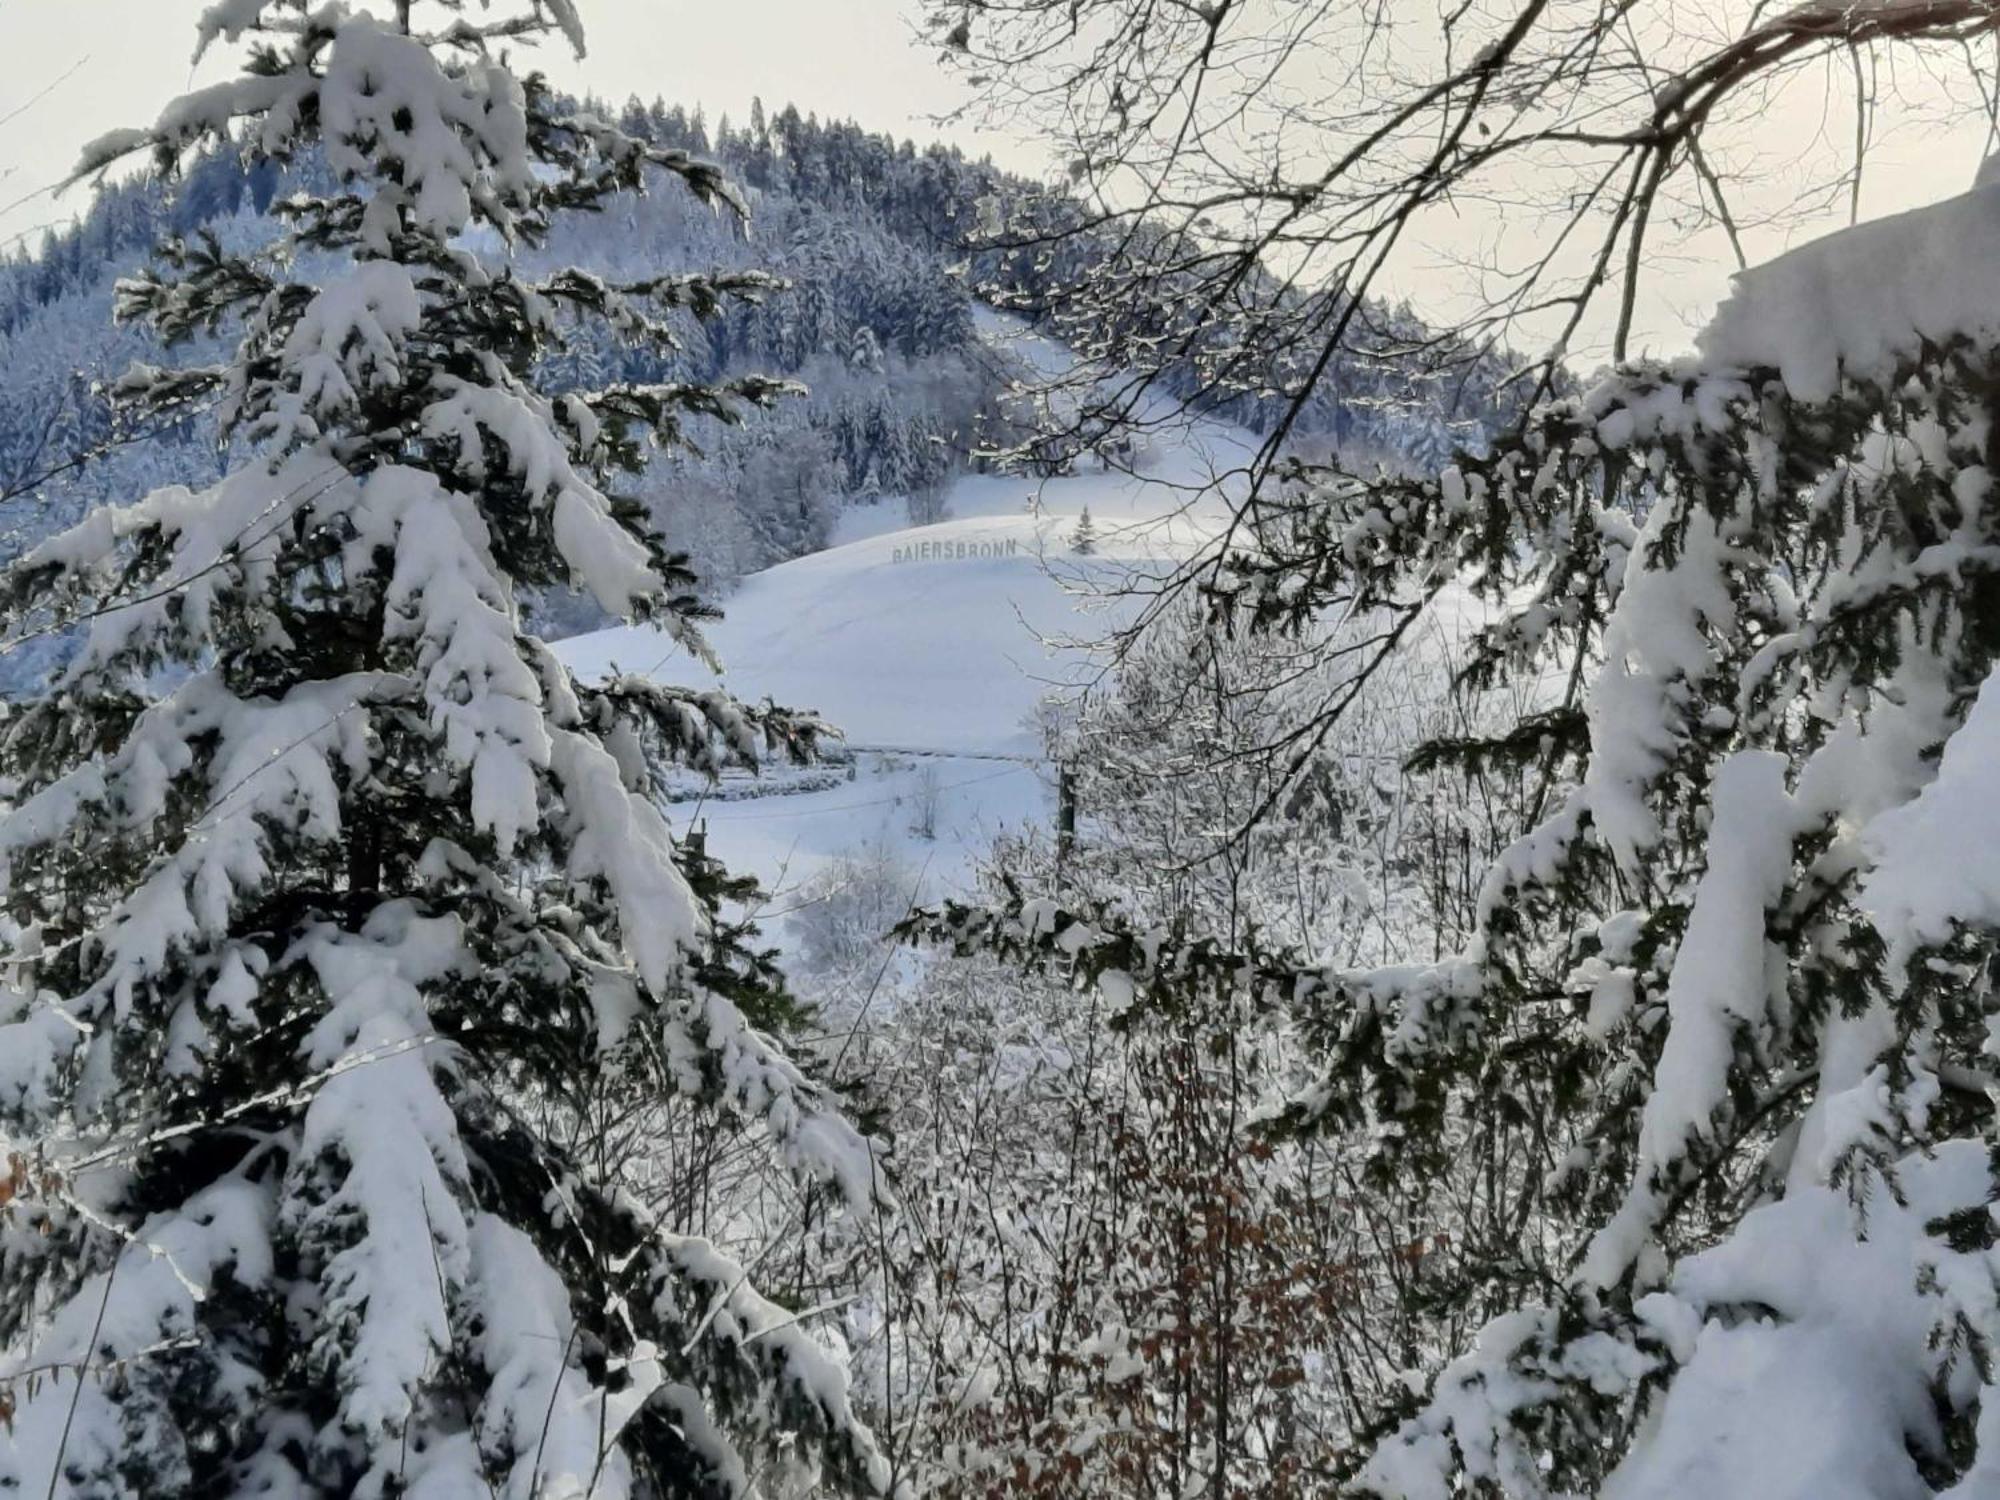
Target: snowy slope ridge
944, 637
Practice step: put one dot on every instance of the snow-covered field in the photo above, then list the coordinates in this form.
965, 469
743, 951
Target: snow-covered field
930, 647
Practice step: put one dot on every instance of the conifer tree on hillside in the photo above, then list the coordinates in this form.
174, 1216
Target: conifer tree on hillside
1083, 536
326, 888
1715, 1076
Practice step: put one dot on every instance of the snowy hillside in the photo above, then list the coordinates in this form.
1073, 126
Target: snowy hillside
930, 647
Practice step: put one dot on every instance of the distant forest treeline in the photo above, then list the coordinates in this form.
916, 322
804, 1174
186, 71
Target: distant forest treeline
872, 234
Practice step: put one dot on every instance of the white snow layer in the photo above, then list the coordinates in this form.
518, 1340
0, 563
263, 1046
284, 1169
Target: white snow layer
1855, 301
1721, 981
459, 134
1805, 1345
1937, 858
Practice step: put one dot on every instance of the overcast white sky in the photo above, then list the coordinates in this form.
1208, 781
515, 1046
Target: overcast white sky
109, 63
72, 69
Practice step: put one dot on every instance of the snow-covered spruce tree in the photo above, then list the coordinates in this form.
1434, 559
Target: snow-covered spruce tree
318, 869
1733, 982
1083, 536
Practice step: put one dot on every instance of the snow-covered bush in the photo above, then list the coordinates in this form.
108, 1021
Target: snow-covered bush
1720, 1038
1108, 1276
843, 920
